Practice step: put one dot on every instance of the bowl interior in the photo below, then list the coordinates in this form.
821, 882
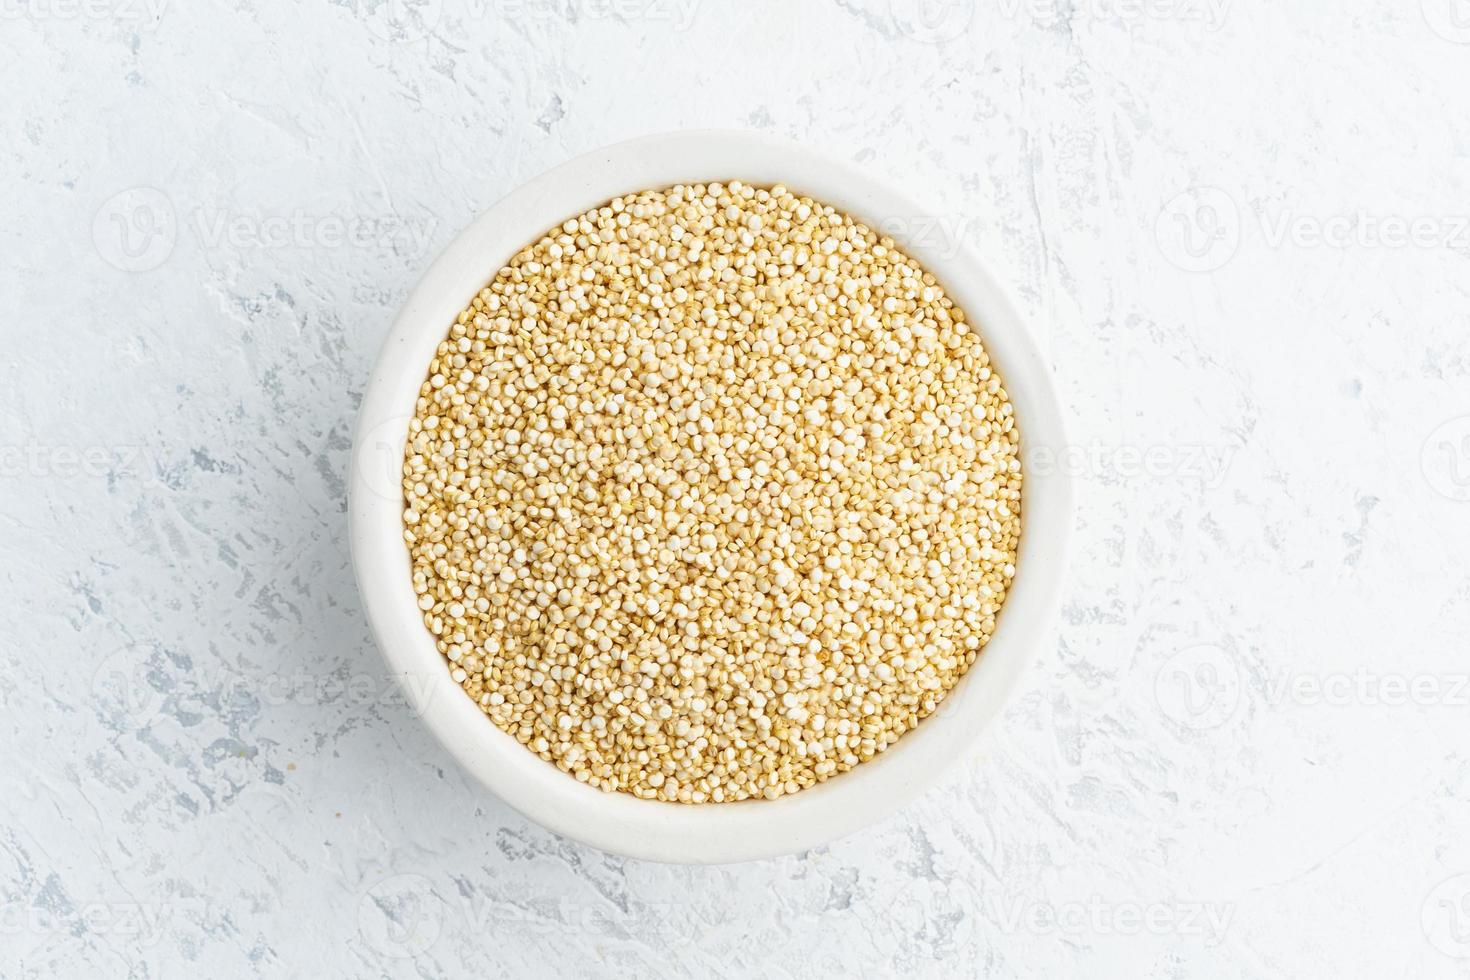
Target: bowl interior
712, 832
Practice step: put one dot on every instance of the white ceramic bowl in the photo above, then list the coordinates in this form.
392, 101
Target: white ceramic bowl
709, 833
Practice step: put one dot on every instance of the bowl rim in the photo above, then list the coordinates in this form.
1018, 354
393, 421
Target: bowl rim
618, 822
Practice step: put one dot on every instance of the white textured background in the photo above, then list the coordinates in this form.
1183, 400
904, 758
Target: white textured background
1244, 229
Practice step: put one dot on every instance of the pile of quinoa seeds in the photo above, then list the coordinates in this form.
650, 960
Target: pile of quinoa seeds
711, 494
